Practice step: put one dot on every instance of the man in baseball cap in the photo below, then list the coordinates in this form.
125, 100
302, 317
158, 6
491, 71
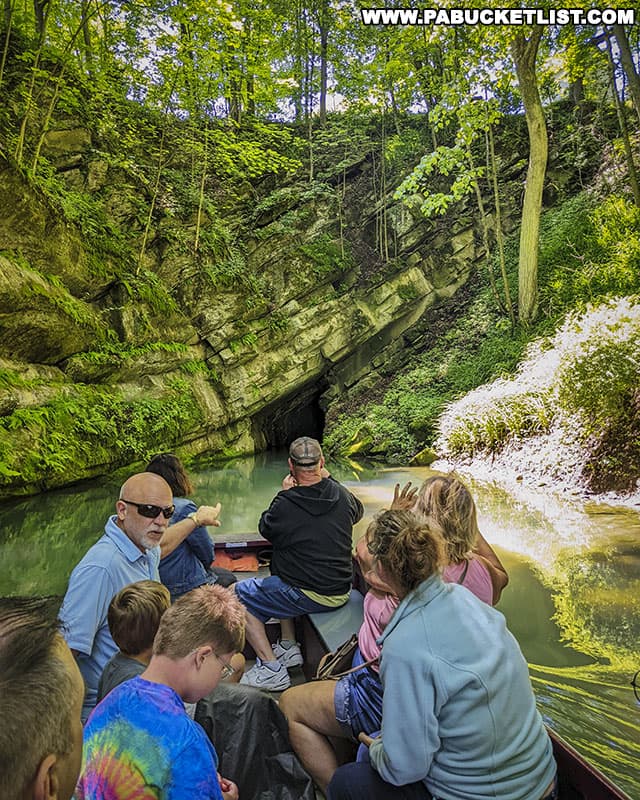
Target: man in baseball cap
309, 524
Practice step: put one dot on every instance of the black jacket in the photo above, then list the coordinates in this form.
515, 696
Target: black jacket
310, 528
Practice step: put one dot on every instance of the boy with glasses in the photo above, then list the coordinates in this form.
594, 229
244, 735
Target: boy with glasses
139, 741
134, 541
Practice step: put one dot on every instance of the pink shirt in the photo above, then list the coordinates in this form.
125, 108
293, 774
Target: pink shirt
377, 613
477, 579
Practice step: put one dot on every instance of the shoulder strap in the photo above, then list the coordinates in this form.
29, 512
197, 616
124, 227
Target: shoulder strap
464, 572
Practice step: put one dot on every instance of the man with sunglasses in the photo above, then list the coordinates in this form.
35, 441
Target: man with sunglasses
134, 541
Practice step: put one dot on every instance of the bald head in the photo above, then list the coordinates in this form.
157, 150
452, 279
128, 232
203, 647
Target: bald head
144, 508
142, 483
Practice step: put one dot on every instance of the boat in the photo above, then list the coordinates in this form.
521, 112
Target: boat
578, 779
322, 633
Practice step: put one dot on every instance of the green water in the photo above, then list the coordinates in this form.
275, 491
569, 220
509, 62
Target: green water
573, 600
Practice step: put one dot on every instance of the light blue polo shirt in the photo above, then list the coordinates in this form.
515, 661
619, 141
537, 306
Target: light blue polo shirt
112, 563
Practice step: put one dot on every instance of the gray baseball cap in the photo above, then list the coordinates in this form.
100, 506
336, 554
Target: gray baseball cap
305, 452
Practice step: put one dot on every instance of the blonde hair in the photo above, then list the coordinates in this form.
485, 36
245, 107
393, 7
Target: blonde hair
209, 615
447, 502
134, 615
409, 549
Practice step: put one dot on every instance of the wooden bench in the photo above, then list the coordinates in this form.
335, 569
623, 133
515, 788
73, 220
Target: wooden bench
324, 631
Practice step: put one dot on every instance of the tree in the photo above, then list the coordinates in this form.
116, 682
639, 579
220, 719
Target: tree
525, 51
626, 59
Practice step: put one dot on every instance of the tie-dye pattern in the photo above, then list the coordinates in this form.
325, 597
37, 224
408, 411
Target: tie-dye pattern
139, 744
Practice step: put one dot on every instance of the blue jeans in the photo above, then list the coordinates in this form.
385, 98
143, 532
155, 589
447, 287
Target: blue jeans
358, 700
272, 597
360, 781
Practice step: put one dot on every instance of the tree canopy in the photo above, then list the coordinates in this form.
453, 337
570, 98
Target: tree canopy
219, 66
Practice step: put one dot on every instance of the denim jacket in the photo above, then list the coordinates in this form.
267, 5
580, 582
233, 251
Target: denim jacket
186, 568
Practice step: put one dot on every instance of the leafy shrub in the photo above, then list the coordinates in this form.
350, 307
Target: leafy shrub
588, 252
583, 381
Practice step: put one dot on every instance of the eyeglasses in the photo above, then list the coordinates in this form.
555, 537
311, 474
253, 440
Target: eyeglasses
151, 511
227, 669
636, 685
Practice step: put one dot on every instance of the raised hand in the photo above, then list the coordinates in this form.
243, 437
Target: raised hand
208, 515
288, 482
228, 788
404, 499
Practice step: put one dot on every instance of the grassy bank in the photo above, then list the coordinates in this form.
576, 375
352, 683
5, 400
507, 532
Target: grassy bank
590, 253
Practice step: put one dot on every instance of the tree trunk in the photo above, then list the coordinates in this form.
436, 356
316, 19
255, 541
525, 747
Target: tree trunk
8, 21
633, 175
86, 35
8, 14
324, 41
40, 11
499, 237
626, 59
524, 53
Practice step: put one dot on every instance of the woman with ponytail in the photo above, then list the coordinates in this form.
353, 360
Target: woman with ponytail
459, 718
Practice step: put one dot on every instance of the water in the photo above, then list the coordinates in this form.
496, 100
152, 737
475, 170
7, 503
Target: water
573, 600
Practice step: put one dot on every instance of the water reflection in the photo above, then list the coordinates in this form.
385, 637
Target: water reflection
573, 600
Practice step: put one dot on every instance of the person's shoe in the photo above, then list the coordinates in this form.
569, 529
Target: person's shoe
288, 653
269, 675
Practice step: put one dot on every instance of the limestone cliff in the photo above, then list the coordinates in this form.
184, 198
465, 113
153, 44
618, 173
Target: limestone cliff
108, 355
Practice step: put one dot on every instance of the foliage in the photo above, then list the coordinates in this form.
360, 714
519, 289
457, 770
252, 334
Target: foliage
84, 424
588, 252
582, 259
114, 352
101, 235
583, 381
11, 379
243, 156
326, 256
54, 292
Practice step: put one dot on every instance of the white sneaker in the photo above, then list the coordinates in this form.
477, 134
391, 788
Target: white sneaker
265, 676
288, 653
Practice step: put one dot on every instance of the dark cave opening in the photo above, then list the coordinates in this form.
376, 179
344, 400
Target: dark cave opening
297, 414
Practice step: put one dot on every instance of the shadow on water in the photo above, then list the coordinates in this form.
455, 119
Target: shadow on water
573, 601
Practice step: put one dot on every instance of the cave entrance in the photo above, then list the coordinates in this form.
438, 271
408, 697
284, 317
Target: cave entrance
297, 414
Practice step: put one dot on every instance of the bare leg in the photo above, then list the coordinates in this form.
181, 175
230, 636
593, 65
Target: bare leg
257, 638
288, 629
237, 662
311, 716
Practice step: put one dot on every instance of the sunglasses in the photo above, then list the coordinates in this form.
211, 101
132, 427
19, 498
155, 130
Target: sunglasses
635, 682
150, 511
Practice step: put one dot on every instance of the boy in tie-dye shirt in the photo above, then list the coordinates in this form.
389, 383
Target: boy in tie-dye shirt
139, 742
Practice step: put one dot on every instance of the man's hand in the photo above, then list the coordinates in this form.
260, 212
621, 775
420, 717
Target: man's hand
404, 500
288, 482
228, 788
208, 515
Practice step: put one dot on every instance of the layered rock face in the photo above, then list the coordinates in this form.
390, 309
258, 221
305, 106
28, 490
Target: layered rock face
101, 364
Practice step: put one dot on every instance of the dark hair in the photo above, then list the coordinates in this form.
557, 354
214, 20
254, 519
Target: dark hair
36, 691
409, 549
446, 501
172, 470
134, 615
209, 615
